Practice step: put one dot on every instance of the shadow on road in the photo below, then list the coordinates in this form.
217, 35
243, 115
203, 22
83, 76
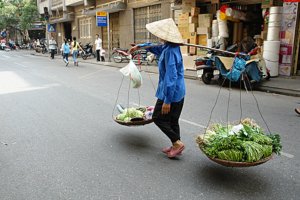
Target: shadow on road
135, 142
237, 181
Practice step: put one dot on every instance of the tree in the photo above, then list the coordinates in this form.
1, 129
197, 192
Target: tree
18, 15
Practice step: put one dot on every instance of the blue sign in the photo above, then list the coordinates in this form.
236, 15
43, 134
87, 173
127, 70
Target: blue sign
51, 27
101, 18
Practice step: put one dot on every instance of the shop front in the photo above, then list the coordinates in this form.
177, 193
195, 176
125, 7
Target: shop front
241, 25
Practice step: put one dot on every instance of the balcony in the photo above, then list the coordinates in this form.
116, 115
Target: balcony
57, 3
74, 2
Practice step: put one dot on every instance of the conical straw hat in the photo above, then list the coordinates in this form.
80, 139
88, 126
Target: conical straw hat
165, 29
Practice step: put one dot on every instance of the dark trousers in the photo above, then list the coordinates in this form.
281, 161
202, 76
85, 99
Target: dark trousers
102, 59
98, 54
168, 123
66, 56
52, 53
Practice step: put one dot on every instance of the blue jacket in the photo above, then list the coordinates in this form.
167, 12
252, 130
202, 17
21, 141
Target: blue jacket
171, 86
66, 48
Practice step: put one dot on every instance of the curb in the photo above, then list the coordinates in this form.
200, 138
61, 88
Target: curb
282, 91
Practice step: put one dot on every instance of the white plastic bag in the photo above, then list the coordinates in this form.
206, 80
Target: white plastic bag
134, 74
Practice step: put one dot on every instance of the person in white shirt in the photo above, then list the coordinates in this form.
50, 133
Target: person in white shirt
98, 45
52, 46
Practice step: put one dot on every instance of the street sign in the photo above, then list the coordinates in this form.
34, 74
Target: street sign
51, 28
101, 18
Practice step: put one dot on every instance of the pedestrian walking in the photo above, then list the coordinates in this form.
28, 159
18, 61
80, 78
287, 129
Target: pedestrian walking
75, 46
98, 45
297, 110
66, 51
171, 86
102, 55
52, 47
62, 48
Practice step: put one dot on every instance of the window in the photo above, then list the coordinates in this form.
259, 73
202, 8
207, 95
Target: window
85, 27
143, 16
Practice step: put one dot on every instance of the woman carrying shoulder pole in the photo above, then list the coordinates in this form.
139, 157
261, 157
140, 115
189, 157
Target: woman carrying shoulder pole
171, 86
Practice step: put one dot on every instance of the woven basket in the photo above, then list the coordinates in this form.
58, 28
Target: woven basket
228, 163
134, 123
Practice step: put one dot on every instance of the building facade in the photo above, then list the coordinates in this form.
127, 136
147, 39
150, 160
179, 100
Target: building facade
127, 19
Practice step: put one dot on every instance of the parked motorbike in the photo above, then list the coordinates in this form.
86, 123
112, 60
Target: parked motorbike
220, 65
42, 48
139, 57
87, 51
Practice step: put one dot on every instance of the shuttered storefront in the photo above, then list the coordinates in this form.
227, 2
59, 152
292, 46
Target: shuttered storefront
114, 32
143, 16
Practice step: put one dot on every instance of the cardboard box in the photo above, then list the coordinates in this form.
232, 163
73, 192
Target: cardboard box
189, 62
193, 50
205, 20
201, 53
202, 39
184, 32
183, 23
195, 11
193, 20
183, 19
215, 1
189, 3
193, 38
184, 50
203, 30
192, 28
184, 16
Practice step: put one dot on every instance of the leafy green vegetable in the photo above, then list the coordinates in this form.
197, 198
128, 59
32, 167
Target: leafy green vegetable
253, 151
231, 154
130, 113
267, 150
276, 143
242, 142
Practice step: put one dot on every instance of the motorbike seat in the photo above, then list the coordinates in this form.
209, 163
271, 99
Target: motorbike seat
123, 53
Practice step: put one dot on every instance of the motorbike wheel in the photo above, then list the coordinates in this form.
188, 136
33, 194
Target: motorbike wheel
206, 77
43, 51
84, 56
117, 57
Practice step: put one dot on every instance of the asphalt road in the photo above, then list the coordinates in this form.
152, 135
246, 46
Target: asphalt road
58, 140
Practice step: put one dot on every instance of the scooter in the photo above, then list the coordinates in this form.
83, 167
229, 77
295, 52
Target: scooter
220, 66
138, 57
87, 51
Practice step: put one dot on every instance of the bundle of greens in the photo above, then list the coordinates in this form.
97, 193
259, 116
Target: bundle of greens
245, 142
130, 113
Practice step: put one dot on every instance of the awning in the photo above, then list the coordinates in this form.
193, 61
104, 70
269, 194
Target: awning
110, 8
67, 17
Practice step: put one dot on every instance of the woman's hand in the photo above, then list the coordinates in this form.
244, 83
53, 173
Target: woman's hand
133, 49
166, 108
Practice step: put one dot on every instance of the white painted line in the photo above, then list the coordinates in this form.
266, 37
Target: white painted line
93, 73
183, 120
27, 89
287, 155
20, 65
192, 123
5, 56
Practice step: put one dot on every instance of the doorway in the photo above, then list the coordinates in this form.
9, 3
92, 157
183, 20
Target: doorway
68, 30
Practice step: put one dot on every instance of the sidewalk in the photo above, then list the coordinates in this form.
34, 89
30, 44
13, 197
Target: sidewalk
281, 85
